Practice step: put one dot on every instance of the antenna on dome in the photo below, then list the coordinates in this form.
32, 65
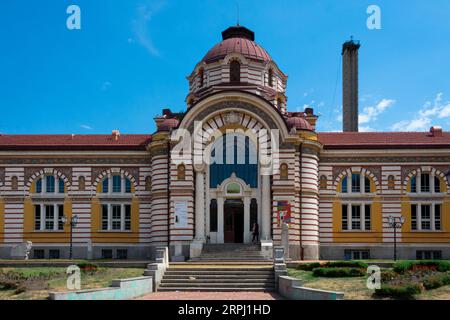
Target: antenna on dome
237, 5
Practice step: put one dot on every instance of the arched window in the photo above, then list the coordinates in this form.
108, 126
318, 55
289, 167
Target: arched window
323, 182
235, 71
148, 183
284, 172
14, 183
200, 78
270, 82
356, 183
47, 184
181, 172
81, 183
391, 182
116, 184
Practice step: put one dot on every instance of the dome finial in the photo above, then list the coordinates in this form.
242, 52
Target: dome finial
237, 5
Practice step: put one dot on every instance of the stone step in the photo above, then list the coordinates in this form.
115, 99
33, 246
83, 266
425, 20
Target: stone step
216, 285
220, 269
217, 289
208, 281
267, 263
220, 276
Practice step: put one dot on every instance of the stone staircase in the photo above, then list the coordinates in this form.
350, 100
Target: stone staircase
228, 267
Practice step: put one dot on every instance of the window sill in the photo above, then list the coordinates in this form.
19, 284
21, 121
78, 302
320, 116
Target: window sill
49, 231
114, 231
357, 231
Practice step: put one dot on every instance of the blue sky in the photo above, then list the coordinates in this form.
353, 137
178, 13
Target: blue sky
131, 59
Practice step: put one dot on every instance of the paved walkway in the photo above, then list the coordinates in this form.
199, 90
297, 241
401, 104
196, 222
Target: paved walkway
189, 295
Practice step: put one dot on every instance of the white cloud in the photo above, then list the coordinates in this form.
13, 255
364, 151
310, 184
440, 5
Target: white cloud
366, 129
141, 31
431, 112
371, 113
85, 126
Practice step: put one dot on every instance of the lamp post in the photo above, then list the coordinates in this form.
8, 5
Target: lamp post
72, 222
396, 222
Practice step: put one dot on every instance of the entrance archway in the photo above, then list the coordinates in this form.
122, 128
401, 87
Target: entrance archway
233, 227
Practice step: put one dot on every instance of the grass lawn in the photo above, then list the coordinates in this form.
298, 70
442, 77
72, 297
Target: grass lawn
354, 288
54, 279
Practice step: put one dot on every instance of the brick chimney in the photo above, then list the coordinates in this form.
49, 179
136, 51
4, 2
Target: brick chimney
350, 85
116, 134
436, 131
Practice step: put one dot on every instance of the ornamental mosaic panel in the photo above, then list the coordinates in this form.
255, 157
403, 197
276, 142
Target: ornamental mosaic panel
234, 105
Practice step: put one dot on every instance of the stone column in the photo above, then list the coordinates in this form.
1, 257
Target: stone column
220, 204
266, 208
199, 204
247, 235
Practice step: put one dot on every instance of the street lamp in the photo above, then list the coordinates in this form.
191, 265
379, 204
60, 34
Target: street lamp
72, 222
396, 222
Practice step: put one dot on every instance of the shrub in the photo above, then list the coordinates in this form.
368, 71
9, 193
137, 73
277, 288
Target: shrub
406, 291
308, 266
435, 281
346, 264
338, 272
87, 267
438, 265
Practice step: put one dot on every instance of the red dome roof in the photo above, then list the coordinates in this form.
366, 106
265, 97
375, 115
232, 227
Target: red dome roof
299, 123
237, 39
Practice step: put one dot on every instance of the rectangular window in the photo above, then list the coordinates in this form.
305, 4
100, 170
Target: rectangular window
60, 217
39, 186
116, 217
426, 217
366, 185
37, 217
127, 186
38, 254
344, 217
356, 254
367, 215
50, 184
105, 185
117, 184
414, 217
437, 185
356, 217
61, 186
49, 217
127, 217
428, 254
106, 254
53, 254
437, 217
104, 217
344, 185
213, 216
356, 183
122, 254
413, 184
425, 182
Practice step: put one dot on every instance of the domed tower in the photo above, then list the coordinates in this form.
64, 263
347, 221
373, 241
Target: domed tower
238, 63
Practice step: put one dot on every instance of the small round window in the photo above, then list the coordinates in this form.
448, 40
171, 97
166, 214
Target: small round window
233, 188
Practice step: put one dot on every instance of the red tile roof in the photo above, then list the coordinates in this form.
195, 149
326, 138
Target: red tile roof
380, 140
75, 142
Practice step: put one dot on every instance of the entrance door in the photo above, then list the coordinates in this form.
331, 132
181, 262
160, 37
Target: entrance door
233, 221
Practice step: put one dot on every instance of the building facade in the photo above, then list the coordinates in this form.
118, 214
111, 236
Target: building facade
234, 158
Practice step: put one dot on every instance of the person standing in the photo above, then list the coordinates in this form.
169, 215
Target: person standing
255, 232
